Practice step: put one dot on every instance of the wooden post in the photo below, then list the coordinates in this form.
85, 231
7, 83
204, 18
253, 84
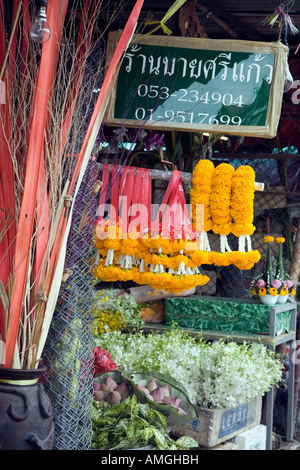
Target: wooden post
188, 22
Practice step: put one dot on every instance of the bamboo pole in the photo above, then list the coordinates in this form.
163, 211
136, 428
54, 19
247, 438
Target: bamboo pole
165, 175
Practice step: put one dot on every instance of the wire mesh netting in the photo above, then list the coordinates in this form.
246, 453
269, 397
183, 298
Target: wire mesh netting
68, 353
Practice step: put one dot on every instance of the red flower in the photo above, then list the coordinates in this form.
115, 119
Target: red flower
102, 361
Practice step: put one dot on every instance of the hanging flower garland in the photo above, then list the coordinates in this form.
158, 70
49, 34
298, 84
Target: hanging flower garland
242, 205
148, 256
173, 279
200, 194
220, 198
170, 282
218, 191
243, 261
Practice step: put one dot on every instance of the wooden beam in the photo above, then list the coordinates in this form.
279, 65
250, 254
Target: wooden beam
252, 156
214, 17
226, 20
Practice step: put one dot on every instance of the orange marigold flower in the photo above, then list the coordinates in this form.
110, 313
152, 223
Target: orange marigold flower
284, 291
273, 291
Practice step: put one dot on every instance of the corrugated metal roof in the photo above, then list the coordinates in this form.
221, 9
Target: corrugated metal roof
222, 18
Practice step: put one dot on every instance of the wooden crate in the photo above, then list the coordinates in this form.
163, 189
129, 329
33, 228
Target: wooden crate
214, 426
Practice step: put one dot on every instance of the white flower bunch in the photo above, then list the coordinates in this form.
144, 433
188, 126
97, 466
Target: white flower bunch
222, 374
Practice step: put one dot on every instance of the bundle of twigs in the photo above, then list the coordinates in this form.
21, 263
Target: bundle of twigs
47, 133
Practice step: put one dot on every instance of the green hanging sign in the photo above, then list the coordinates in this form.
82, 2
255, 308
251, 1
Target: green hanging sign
199, 85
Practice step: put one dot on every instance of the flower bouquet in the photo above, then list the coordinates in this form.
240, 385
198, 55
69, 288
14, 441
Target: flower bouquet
266, 285
287, 284
114, 309
165, 394
273, 286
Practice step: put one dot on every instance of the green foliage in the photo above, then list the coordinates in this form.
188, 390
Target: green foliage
131, 424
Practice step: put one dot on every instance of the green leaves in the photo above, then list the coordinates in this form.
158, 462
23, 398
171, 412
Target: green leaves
185, 442
131, 424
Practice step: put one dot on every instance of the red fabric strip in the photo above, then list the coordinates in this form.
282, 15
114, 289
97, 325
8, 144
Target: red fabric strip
115, 180
103, 191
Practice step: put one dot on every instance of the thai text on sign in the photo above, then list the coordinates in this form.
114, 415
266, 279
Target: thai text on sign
216, 89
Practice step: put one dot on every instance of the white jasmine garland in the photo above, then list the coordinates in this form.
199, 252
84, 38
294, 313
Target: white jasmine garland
222, 374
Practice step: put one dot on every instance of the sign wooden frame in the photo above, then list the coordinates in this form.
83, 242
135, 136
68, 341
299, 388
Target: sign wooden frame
270, 99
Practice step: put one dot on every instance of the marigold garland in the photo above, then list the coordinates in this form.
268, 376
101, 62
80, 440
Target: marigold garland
242, 201
168, 281
223, 198
200, 194
220, 198
158, 244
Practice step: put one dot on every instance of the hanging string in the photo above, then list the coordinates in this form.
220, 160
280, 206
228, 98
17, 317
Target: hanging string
281, 16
